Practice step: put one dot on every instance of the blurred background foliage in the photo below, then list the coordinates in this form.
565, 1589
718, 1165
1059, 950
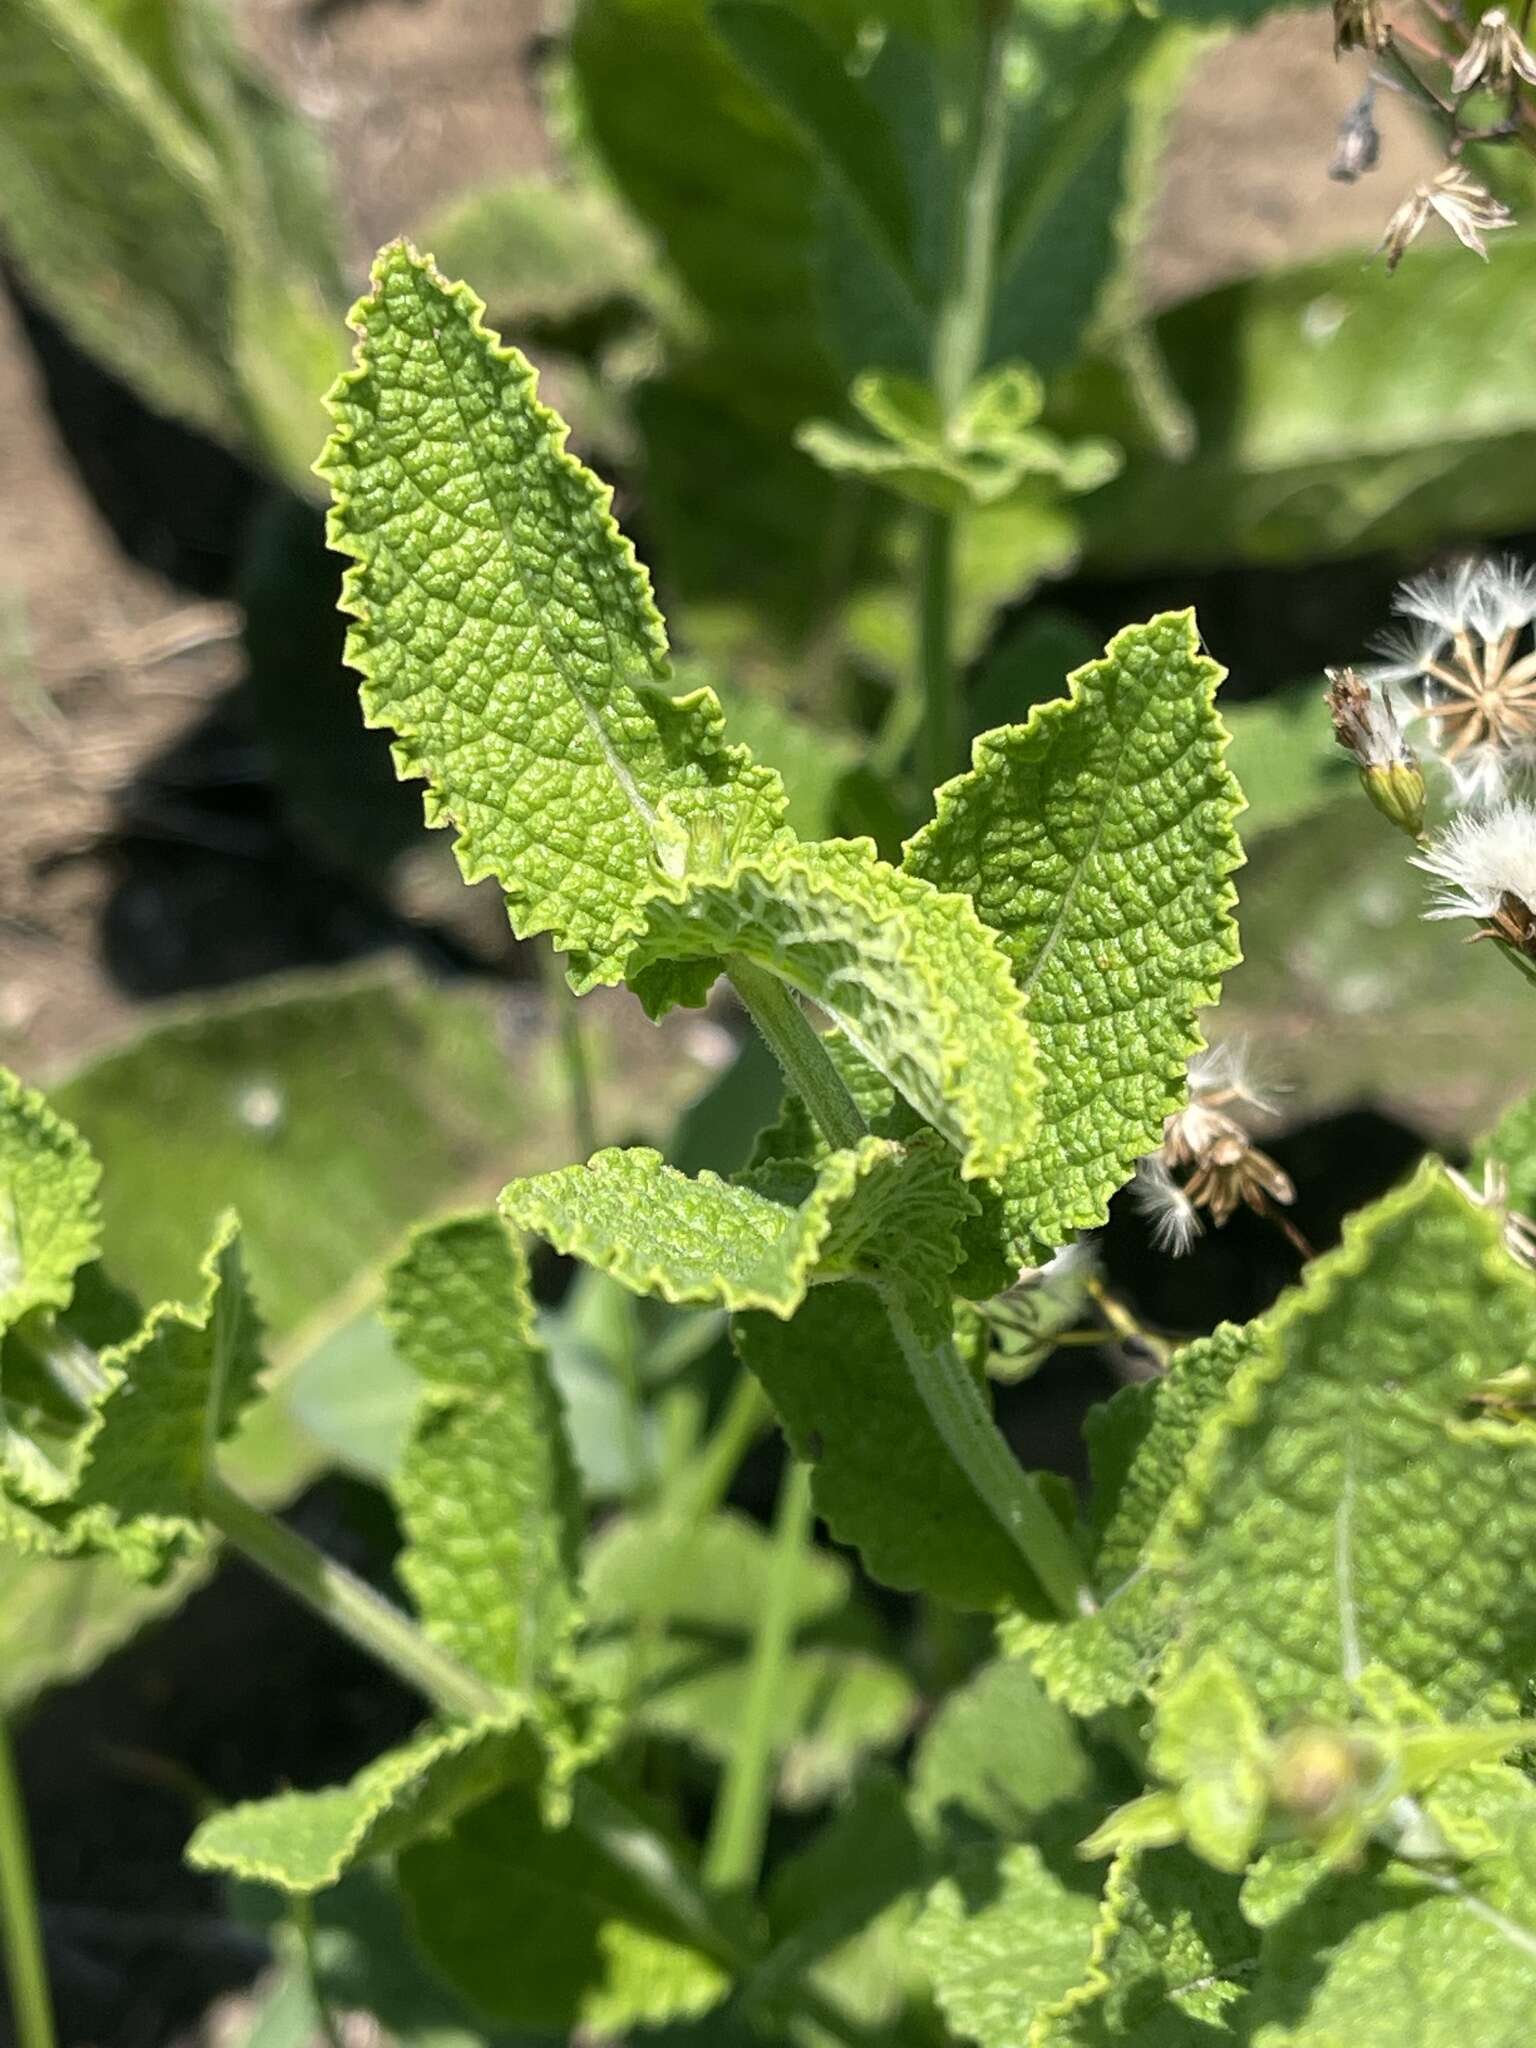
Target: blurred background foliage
719, 228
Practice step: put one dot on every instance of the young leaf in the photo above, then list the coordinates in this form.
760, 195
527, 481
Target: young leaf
488, 1495
882, 1477
175, 1391
1210, 1742
50, 1224
542, 1929
910, 975
302, 1842
1097, 841
506, 633
1335, 1512
1172, 1955
673, 1611
759, 1245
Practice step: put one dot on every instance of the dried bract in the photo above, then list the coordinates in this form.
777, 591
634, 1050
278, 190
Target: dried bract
1359, 25
1468, 209
1495, 57
1207, 1159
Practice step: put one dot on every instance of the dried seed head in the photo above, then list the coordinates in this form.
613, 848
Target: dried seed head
1485, 865
1357, 146
1207, 1159
1494, 58
1365, 725
1468, 209
1359, 25
1455, 667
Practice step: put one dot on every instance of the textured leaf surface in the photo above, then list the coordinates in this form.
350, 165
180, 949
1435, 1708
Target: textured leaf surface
50, 1221
1171, 1955
1336, 1510
673, 1612
506, 633
1097, 841
909, 974
755, 1246
303, 1841
538, 1928
1389, 1957
1005, 1788
489, 1498
881, 1476
175, 1391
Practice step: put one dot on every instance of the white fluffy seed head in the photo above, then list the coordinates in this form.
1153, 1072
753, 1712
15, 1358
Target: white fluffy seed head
1228, 1069
1482, 858
1175, 1223
1489, 596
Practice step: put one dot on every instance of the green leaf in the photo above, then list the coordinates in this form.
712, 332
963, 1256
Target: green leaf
187, 245
302, 1842
50, 1220
1172, 1955
488, 1496
60, 1617
540, 1928
1210, 1742
840, 1914
992, 450
805, 77
1097, 840
911, 976
1330, 417
673, 1612
1007, 1926
753, 1246
1335, 1511
1389, 1956
174, 1392
1023, 1942
882, 1478
506, 633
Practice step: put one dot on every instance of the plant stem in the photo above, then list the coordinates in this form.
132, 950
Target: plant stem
959, 352
735, 1852
959, 1413
25, 1967
776, 1012
573, 1052
935, 648
304, 1925
707, 1480
353, 1608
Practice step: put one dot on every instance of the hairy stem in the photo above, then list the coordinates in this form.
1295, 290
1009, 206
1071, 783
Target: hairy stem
573, 1052
304, 1927
354, 1609
936, 648
776, 1012
25, 1968
959, 1413
735, 1851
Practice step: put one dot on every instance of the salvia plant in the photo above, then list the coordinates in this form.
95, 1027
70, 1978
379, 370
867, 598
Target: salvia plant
1238, 1745
1246, 1760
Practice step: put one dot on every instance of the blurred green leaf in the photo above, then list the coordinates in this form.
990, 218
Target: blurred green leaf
1334, 411
173, 215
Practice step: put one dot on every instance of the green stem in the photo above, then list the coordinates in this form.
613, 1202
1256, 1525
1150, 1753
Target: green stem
734, 1855
353, 1608
776, 1012
304, 1924
959, 352
959, 1413
25, 1968
705, 1484
573, 1052
935, 648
